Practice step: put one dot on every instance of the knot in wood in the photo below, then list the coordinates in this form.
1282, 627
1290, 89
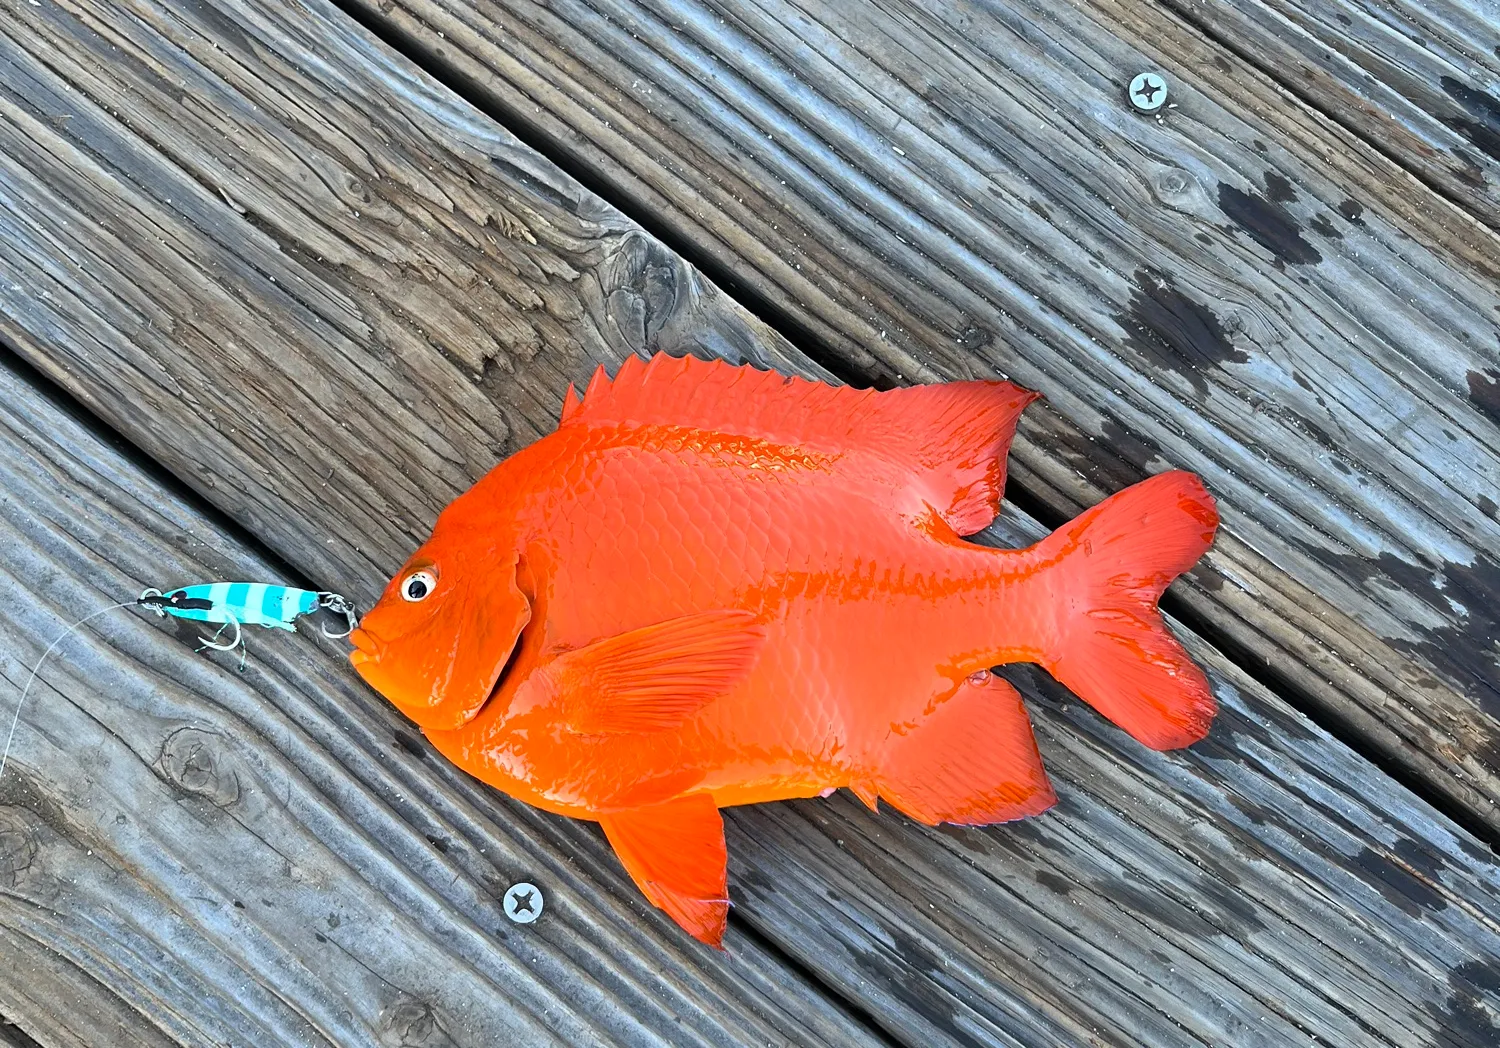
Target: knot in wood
641, 283
18, 847
1172, 183
194, 761
413, 1024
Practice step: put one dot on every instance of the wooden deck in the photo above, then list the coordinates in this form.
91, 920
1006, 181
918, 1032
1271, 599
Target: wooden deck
277, 281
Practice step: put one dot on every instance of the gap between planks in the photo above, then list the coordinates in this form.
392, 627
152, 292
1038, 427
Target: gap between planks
1332, 660
1162, 916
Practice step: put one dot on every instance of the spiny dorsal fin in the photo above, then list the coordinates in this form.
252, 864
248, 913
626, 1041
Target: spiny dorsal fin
571, 404
951, 439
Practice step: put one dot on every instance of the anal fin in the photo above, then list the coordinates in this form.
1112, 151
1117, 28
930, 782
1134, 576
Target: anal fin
972, 761
675, 854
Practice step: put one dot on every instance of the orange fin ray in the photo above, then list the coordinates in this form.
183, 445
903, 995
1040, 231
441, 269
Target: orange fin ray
1116, 654
654, 678
675, 853
948, 440
571, 404
972, 761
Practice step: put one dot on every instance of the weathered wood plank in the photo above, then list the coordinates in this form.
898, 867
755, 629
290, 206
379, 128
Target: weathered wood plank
1121, 915
1241, 287
11, 1036
1249, 891
1418, 81
62, 1005
192, 855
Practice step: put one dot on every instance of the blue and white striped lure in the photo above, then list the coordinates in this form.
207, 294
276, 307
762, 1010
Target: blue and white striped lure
230, 604
239, 604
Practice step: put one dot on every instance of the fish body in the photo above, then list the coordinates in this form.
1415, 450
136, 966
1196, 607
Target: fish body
716, 586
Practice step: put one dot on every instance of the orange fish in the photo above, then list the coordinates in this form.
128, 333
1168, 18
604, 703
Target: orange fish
715, 585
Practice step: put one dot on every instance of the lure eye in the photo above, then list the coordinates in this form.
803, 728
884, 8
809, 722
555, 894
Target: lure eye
418, 585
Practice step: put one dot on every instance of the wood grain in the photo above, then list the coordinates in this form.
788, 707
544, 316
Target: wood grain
274, 858
1268, 886
191, 855
1241, 287
1418, 81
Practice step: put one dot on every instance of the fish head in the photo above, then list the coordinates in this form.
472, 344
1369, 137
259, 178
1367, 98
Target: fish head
438, 640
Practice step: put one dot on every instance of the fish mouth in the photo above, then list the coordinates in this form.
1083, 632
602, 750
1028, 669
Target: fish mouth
367, 647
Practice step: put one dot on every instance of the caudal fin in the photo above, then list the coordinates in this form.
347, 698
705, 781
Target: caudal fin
1113, 651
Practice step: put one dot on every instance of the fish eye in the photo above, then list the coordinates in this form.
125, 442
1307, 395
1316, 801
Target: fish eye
418, 585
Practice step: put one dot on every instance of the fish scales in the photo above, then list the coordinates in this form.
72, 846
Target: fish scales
715, 586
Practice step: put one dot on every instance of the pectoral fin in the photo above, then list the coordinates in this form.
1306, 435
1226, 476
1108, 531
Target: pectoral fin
675, 854
973, 760
656, 677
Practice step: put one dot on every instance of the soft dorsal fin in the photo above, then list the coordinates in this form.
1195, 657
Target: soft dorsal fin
951, 438
656, 677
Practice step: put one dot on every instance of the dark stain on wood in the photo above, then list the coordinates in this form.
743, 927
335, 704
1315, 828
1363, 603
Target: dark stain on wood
1173, 333
411, 744
1238, 916
1481, 125
1484, 391
1269, 225
1420, 858
1279, 189
1469, 172
920, 995
1466, 595
1223, 742
1129, 445
1487, 506
974, 338
1256, 813
1158, 908
1053, 883
1352, 210
1399, 886
1321, 225
1468, 1016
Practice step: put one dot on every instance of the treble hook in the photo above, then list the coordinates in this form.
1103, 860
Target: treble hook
339, 606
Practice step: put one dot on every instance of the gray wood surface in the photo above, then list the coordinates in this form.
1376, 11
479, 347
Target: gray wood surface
298, 357
190, 855
1243, 287
196, 856
1418, 81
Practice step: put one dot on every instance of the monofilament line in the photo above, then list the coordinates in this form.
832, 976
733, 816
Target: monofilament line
17, 718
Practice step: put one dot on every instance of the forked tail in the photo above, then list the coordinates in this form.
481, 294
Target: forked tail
1112, 648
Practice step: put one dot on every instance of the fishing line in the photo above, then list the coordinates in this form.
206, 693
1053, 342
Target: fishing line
10, 736
231, 604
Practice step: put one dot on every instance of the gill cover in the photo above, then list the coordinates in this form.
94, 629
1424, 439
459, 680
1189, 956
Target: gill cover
439, 659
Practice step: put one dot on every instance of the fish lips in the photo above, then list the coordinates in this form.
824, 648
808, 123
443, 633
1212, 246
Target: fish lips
440, 688
367, 647
438, 660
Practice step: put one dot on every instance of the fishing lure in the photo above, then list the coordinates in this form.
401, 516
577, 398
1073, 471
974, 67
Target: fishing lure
230, 604
238, 604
